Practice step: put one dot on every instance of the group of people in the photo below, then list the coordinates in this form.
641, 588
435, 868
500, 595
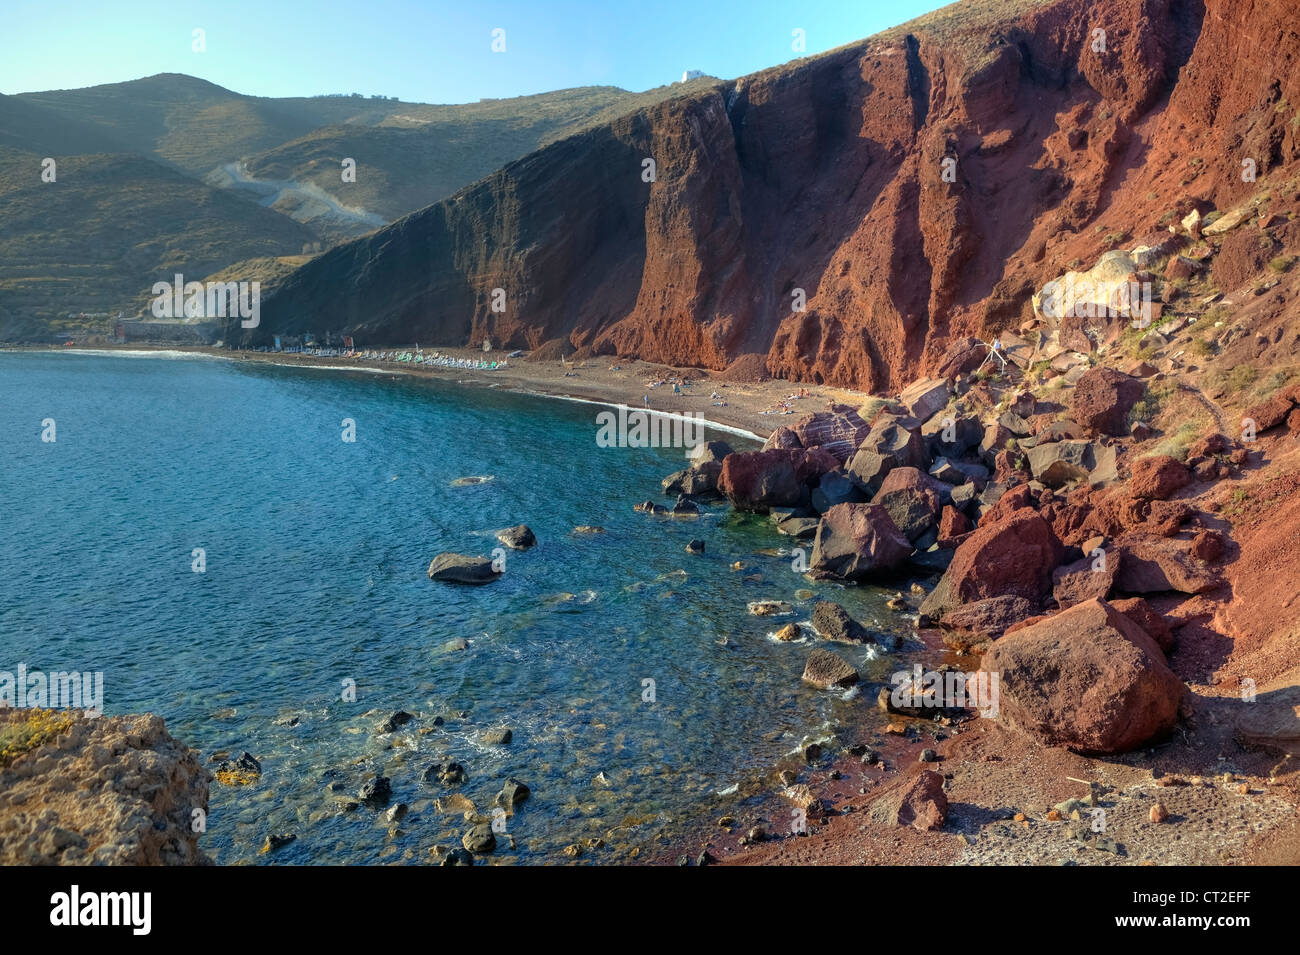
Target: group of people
783, 406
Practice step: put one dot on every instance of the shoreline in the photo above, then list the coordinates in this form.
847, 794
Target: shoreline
616, 386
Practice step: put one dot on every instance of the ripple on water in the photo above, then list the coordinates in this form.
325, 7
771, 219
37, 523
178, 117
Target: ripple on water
642, 696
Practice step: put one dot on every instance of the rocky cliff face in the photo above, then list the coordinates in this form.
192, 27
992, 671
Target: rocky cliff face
832, 176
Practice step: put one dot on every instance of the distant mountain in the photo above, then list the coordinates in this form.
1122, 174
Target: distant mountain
171, 172
97, 238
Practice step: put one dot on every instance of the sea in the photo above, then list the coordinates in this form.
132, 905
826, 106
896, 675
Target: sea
242, 548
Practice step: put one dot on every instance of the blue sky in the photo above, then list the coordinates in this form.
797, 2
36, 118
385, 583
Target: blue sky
430, 51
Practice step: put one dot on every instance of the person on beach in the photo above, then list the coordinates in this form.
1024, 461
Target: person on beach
647, 401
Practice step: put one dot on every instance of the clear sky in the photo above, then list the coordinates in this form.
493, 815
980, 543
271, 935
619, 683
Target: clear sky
428, 51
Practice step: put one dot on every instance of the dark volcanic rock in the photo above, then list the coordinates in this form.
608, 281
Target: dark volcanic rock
833, 622
462, 569
857, 540
519, 537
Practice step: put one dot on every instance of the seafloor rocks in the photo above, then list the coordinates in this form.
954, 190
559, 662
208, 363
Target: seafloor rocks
832, 622
1103, 398
826, 669
519, 537
462, 569
1014, 556
1088, 679
513, 792
921, 804
111, 790
857, 540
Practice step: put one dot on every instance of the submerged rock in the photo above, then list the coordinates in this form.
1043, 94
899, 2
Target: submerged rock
394, 720
376, 792
479, 839
833, 622
512, 794
825, 670
462, 569
519, 537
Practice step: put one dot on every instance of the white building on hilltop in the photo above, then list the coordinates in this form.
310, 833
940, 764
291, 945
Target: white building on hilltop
691, 74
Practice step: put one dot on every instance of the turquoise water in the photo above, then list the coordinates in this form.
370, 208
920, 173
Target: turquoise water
316, 551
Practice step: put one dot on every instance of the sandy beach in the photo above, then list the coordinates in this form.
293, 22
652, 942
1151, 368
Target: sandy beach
740, 406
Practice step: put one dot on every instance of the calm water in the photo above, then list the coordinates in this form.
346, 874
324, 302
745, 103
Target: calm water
316, 553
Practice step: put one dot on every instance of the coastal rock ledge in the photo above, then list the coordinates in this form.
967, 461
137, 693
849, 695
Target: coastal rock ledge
115, 790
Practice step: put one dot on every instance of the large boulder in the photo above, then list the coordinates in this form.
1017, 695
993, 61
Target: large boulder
832, 622
891, 444
1102, 399
1086, 579
857, 540
701, 480
1058, 463
1014, 556
987, 619
462, 569
1152, 622
913, 500
1157, 477
925, 398
782, 437
1150, 564
825, 670
951, 436
838, 432
1088, 679
709, 451
758, 480
836, 487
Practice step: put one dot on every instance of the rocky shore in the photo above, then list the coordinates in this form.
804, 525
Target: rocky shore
1090, 502
77, 790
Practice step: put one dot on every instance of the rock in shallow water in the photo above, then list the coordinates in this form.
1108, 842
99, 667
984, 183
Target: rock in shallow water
825, 669
519, 537
480, 839
462, 569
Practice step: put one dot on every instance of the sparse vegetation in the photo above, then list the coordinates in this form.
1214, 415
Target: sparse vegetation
39, 727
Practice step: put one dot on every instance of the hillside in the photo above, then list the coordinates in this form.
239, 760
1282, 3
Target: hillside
826, 175
97, 238
232, 177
